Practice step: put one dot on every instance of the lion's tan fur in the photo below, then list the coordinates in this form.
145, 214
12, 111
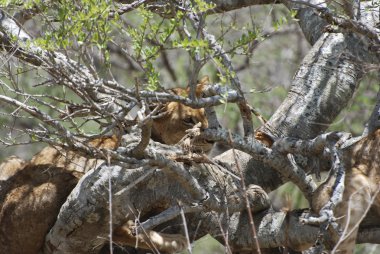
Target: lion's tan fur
10, 167
32, 193
29, 204
362, 183
172, 127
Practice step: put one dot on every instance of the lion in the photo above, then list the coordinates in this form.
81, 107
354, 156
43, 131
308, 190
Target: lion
178, 118
32, 192
361, 193
168, 129
29, 204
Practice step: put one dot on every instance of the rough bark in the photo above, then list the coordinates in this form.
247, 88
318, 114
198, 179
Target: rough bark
325, 82
142, 193
322, 87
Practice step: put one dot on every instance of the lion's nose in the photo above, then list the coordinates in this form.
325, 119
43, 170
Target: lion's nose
204, 125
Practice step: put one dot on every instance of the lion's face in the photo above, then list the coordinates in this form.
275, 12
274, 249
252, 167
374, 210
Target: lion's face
171, 128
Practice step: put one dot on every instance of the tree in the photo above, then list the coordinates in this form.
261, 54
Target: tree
73, 95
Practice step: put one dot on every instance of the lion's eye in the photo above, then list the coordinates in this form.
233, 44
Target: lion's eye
189, 121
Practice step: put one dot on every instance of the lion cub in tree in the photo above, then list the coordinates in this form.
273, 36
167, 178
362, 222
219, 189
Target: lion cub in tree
172, 127
31, 193
169, 129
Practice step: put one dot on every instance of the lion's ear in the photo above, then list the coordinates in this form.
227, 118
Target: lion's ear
179, 91
204, 80
202, 83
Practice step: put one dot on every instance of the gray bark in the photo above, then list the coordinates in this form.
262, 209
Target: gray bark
322, 87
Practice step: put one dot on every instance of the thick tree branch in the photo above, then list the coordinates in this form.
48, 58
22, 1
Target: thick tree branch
345, 23
226, 5
271, 158
134, 202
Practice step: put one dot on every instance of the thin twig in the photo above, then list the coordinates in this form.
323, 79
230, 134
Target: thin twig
110, 202
346, 234
189, 248
169, 214
218, 49
248, 206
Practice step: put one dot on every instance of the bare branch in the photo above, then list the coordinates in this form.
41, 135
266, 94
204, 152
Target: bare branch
344, 23
124, 8
245, 195
307, 147
282, 164
219, 51
374, 120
